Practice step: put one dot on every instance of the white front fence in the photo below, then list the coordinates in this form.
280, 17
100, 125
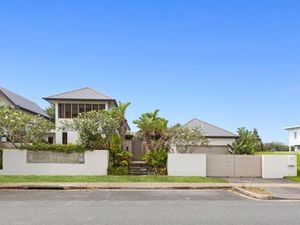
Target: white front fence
15, 162
265, 166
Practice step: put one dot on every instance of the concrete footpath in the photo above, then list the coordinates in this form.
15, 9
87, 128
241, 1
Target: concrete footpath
271, 191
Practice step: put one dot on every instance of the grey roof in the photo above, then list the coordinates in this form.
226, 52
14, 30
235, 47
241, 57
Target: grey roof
209, 129
81, 94
23, 103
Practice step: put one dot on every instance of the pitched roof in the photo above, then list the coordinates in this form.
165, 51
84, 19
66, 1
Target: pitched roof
292, 127
209, 129
23, 103
81, 94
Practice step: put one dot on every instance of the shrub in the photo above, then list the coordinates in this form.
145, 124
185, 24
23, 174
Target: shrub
246, 144
157, 160
118, 171
70, 148
118, 158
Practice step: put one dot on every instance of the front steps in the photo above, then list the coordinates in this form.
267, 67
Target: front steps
139, 168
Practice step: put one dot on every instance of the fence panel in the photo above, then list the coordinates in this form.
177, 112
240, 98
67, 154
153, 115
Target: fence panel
247, 166
234, 166
220, 165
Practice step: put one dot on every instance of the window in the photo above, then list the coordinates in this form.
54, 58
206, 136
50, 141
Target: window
64, 138
81, 108
61, 110
95, 107
50, 140
68, 110
74, 110
295, 135
88, 107
101, 107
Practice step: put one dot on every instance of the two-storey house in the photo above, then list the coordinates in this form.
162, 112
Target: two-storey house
294, 137
69, 104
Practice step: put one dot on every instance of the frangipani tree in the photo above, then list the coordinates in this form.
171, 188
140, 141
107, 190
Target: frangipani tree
22, 128
95, 128
181, 138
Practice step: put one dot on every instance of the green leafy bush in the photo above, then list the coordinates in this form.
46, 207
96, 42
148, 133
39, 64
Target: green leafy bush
118, 171
70, 148
157, 160
247, 143
118, 158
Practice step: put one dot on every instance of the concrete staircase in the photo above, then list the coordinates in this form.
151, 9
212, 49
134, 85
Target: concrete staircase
139, 168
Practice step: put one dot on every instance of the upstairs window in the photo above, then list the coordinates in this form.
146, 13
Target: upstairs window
68, 111
295, 135
102, 106
81, 108
74, 110
88, 107
95, 107
61, 110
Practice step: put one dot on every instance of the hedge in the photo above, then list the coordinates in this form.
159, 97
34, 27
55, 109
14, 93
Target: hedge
70, 148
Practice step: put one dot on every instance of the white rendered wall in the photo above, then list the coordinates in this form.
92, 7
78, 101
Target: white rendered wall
292, 140
187, 165
279, 166
15, 163
221, 141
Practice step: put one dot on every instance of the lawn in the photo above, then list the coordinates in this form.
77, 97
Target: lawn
297, 179
134, 179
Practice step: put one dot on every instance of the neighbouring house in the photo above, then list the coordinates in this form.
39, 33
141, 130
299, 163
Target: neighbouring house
220, 140
69, 104
15, 101
294, 137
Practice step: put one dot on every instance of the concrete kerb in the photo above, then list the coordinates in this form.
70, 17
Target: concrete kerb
237, 188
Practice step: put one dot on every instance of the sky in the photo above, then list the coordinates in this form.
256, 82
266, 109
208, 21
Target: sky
229, 63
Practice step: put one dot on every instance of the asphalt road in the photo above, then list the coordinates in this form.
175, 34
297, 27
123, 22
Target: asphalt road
213, 207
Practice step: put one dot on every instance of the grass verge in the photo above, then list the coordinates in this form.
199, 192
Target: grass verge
117, 179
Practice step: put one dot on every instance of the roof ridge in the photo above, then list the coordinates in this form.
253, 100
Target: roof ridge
210, 125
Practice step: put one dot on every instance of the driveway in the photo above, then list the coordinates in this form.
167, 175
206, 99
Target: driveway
209, 207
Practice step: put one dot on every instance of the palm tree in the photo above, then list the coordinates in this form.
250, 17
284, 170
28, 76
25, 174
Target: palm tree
151, 127
119, 113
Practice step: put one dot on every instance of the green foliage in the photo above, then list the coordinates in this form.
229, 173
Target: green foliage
70, 148
152, 128
95, 128
118, 158
118, 171
22, 128
51, 112
246, 144
275, 146
119, 114
185, 137
158, 160
260, 144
